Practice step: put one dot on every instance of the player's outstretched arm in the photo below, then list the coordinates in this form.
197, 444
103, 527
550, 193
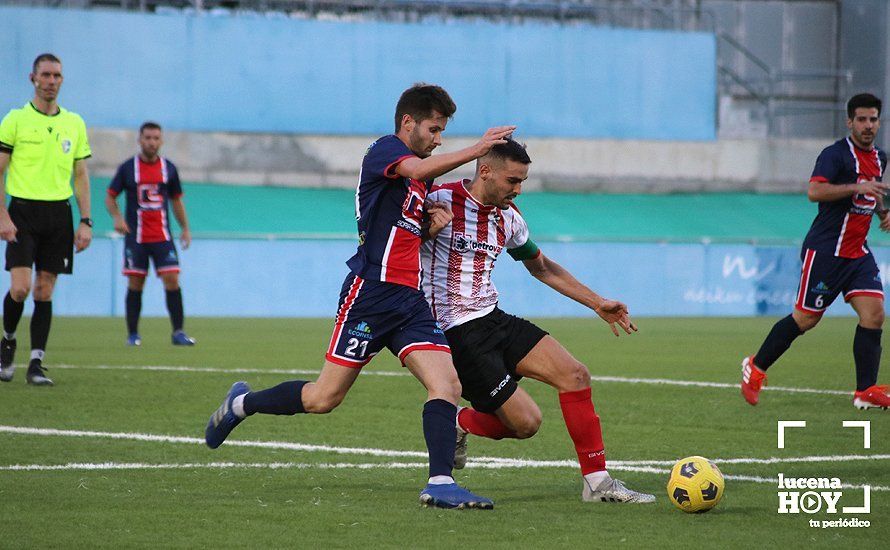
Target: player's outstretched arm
7, 228
828, 192
559, 279
435, 165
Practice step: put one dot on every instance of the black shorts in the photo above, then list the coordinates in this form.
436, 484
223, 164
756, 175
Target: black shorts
485, 353
45, 236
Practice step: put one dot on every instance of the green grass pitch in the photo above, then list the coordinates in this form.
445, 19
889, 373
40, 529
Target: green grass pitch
158, 492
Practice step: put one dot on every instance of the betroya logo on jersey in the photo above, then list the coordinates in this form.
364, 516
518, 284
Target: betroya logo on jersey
464, 243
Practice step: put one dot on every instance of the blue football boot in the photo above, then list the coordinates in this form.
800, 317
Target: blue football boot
452, 495
180, 338
223, 421
134, 340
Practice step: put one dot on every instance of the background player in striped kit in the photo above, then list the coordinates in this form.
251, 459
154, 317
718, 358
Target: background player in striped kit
846, 182
492, 350
151, 183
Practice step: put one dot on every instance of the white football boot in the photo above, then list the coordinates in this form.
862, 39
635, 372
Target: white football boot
612, 490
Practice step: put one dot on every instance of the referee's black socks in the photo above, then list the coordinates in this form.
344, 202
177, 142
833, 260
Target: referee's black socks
12, 314
40, 323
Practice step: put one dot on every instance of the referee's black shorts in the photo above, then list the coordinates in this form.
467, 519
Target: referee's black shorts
45, 236
486, 352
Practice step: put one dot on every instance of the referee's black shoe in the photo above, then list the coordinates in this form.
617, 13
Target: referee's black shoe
7, 355
37, 374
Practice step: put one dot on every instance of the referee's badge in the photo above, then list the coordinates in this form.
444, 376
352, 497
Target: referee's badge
66, 145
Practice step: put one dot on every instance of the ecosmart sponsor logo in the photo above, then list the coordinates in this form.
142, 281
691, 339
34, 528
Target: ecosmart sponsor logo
821, 288
362, 330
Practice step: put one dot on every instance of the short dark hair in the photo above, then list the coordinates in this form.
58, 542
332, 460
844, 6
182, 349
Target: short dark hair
149, 125
859, 101
44, 57
512, 150
421, 100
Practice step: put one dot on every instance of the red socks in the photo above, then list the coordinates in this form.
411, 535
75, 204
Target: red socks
580, 418
483, 424
584, 429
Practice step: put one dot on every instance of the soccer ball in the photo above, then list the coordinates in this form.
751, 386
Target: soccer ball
695, 485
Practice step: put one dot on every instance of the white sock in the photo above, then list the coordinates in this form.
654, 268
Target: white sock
441, 480
9, 335
238, 406
37, 354
595, 479
456, 423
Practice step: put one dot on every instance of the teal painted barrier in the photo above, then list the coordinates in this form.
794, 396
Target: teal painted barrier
302, 278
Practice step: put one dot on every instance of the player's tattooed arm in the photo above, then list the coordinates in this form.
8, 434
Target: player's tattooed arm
437, 215
559, 279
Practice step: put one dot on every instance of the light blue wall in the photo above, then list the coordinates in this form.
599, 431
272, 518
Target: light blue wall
303, 278
281, 75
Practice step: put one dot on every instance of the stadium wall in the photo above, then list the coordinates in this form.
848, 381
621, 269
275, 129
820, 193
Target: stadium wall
302, 278
209, 72
563, 164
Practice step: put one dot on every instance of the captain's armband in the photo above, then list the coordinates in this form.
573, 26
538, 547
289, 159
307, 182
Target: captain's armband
528, 251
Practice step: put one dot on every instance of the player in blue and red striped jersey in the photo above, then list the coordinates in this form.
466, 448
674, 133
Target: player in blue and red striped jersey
846, 183
150, 183
381, 304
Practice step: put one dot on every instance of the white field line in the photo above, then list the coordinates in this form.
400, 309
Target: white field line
614, 379
92, 466
209, 465
200, 441
643, 466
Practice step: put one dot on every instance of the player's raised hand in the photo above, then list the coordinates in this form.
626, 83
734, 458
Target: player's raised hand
120, 225
615, 312
7, 228
439, 214
873, 188
494, 136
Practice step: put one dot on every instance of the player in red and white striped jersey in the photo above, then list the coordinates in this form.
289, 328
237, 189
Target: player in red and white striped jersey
491, 349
